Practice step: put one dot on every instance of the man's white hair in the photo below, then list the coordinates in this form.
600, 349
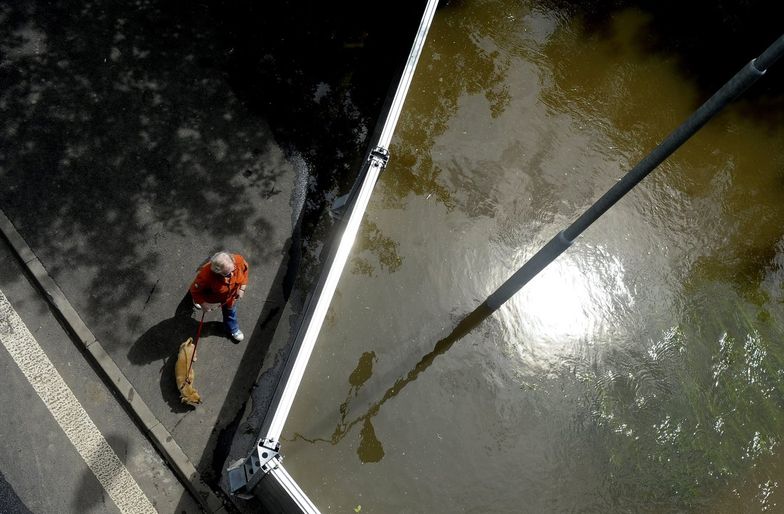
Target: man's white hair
221, 263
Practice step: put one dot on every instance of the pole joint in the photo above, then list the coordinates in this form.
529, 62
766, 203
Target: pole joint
753, 67
564, 239
246, 473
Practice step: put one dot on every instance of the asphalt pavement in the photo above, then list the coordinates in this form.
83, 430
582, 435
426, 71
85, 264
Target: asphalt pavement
47, 444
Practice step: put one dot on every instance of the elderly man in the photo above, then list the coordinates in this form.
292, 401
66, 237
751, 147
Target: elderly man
222, 280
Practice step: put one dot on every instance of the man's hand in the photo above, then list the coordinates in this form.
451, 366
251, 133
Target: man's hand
240, 293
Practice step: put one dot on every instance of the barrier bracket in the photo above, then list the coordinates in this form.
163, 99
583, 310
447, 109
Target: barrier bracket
380, 155
246, 473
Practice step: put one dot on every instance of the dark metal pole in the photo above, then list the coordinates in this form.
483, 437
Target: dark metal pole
747, 76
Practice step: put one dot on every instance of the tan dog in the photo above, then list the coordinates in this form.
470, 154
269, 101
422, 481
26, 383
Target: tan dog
188, 393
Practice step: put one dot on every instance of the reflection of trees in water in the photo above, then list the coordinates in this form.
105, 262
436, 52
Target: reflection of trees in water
384, 248
681, 419
676, 419
455, 62
709, 40
641, 83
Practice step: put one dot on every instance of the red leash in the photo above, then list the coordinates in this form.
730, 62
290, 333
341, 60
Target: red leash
195, 343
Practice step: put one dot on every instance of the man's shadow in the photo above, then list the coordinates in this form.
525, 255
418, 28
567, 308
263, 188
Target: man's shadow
162, 342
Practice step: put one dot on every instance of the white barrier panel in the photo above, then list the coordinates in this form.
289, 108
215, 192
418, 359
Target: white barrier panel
276, 488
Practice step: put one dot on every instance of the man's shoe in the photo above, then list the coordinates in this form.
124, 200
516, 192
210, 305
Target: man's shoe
238, 336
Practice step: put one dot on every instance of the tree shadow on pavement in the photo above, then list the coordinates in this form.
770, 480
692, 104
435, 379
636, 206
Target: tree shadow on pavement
119, 133
92, 495
91, 492
9, 500
164, 339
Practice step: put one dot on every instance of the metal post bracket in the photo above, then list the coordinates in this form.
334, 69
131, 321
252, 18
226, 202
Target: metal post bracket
251, 469
380, 155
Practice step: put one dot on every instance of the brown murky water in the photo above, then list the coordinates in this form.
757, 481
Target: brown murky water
643, 370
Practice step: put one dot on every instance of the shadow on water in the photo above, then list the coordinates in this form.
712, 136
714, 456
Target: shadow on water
370, 448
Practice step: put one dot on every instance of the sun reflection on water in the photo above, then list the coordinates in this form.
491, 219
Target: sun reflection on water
576, 297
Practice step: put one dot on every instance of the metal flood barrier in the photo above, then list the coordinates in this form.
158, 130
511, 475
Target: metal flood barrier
261, 474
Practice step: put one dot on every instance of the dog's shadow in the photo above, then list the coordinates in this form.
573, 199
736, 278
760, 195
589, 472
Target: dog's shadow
162, 343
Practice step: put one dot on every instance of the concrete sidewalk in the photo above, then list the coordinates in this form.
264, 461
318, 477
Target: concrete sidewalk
123, 167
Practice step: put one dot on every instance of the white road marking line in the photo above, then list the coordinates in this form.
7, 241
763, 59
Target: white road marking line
69, 413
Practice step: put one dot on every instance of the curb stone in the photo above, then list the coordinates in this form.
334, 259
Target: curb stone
155, 431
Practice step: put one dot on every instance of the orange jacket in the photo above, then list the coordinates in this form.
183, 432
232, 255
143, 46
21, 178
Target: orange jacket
210, 287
